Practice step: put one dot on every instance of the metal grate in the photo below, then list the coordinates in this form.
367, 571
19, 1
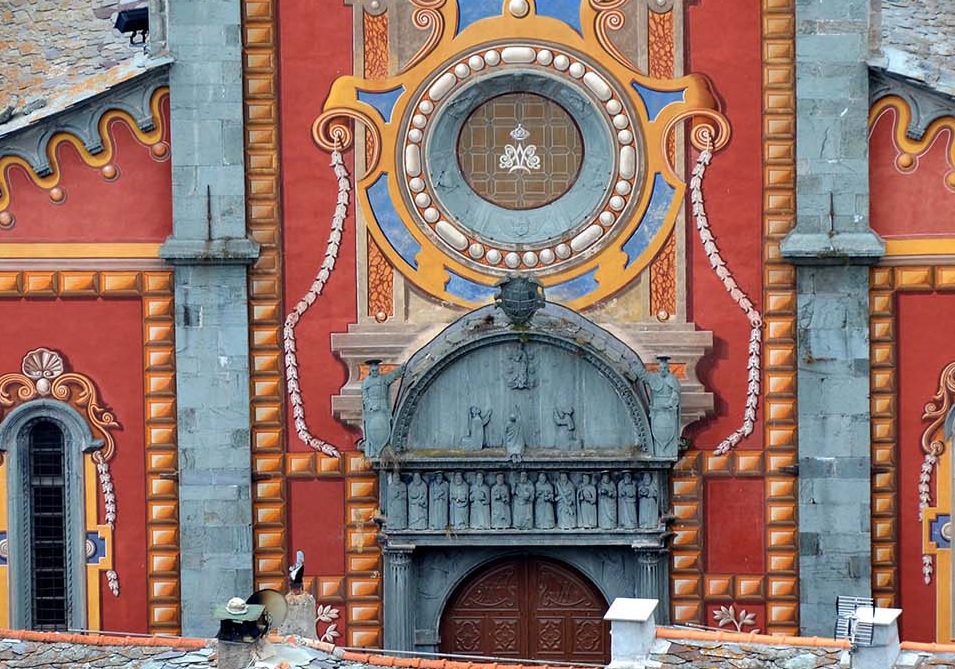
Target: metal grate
848, 626
48, 522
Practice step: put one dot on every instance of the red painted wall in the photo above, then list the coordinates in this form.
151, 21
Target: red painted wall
135, 207
734, 511
723, 42
916, 203
104, 342
310, 62
925, 325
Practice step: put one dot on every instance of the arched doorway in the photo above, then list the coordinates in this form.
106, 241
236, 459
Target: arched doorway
527, 607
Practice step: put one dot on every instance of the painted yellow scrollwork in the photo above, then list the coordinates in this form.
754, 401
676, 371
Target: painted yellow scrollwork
410, 209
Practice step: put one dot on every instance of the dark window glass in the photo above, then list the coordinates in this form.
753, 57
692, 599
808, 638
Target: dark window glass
47, 504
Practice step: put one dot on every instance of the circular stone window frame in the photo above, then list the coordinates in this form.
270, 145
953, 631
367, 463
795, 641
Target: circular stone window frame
602, 222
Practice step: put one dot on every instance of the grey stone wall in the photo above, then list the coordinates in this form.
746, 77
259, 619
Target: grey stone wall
833, 245
210, 253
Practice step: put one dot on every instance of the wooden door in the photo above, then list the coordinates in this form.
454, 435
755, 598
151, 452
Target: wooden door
527, 607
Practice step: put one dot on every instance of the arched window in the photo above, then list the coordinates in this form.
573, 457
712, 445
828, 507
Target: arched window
44, 443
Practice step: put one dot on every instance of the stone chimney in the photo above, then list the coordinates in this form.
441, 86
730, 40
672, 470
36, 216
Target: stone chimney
885, 648
632, 632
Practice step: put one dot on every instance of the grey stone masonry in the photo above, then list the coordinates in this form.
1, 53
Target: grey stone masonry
210, 253
833, 245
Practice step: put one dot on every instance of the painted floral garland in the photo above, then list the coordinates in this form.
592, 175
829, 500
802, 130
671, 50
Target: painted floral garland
292, 320
741, 299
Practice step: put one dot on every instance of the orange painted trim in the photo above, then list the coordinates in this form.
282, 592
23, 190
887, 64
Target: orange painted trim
928, 647
96, 639
150, 138
683, 634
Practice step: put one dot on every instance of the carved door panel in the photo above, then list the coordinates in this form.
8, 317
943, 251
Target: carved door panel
528, 608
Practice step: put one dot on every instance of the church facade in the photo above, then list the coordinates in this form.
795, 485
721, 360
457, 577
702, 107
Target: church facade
495, 309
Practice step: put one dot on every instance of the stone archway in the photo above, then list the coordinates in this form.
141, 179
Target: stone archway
527, 607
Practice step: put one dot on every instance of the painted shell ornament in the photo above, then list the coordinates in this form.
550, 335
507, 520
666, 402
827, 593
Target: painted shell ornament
42, 365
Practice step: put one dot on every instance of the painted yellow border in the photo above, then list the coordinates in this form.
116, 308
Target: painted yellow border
924, 246
22, 251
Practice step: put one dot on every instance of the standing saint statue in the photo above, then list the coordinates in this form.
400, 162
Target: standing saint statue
627, 502
397, 502
500, 503
566, 502
649, 504
607, 503
480, 504
438, 502
587, 503
514, 437
664, 407
523, 517
417, 503
459, 502
544, 503
476, 438
376, 407
520, 370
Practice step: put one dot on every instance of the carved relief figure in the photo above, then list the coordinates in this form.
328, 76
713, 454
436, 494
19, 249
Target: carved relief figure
417, 503
566, 502
500, 503
649, 501
566, 428
521, 374
627, 501
587, 503
514, 436
607, 503
544, 503
523, 503
397, 503
459, 502
438, 502
480, 503
477, 429
664, 408
376, 407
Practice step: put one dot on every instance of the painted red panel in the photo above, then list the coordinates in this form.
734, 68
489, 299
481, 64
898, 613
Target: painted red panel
908, 204
135, 207
926, 322
317, 525
309, 193
724, 44
734, 526
104, 342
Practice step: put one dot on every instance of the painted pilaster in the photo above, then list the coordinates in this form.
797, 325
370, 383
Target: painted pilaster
832, 244
210, 253
653, 580
399, 594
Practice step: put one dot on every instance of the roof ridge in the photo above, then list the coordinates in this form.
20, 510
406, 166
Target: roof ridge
94, 638
689, 634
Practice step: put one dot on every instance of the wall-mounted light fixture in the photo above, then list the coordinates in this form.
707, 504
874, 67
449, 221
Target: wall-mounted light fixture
134, 21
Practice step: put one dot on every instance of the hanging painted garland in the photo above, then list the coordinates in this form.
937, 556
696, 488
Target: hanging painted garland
745, 304
291, 321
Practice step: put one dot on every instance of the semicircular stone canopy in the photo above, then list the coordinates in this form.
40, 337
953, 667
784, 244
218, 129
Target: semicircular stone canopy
558, 383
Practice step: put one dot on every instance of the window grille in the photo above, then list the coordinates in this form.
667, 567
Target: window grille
49, 532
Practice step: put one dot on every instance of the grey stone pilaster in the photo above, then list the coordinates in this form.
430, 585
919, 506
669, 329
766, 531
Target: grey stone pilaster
399, 591
833, 246
653, 580
210, 254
